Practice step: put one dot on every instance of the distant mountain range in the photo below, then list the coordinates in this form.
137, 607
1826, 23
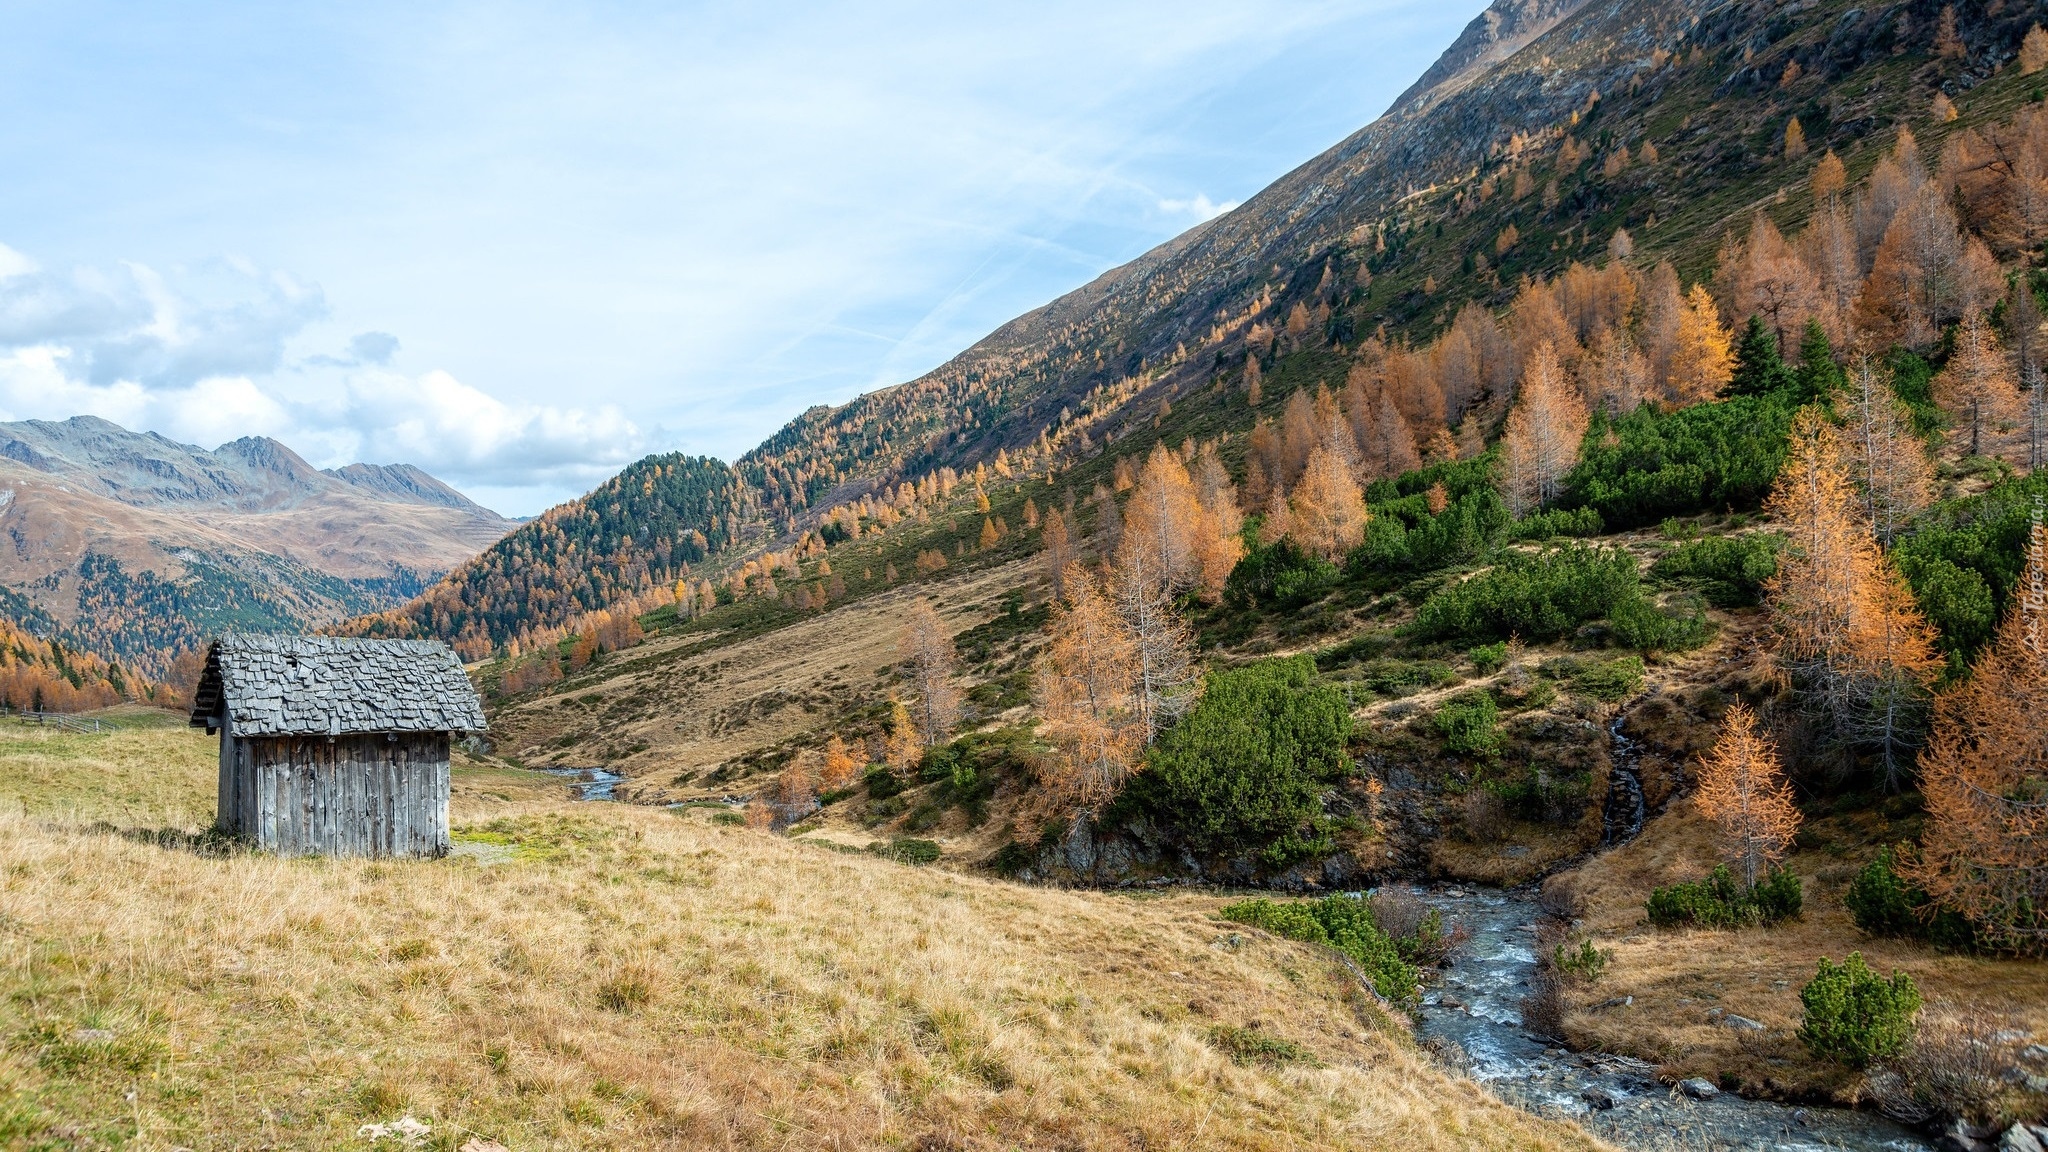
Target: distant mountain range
136, 546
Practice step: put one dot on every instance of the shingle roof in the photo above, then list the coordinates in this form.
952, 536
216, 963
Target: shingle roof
330, 686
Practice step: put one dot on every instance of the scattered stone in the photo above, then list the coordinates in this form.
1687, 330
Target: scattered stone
2018, 1139
92, 1036
2011, 1036
1615, 1002
1741, 1023
1448, 1002
2035, 1053
1963, 1136
1597, 1098
1699, 1089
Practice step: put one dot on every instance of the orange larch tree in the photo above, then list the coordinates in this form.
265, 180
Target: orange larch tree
1743, 791
1058, 552
1892, 659
1162, 518
1926, 272
1886, 458
1219, 543
927, 646
1977, 386
1825, 563
1984, 776
1168, 681
837, 767
1543, 432
905, 744
1702, 357
1085, 686
1327, 510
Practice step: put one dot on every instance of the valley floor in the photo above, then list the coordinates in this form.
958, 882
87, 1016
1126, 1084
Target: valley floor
609, 976
1677, 978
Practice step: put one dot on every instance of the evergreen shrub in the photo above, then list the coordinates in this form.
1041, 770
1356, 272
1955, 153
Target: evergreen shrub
1853, 1015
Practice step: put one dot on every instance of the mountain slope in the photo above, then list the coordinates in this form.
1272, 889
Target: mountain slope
1391, 230
136, 546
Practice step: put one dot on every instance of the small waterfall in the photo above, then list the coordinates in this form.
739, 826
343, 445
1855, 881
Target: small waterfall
1622, 817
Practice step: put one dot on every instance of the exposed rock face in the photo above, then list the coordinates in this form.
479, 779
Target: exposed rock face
1492, 36
136, 545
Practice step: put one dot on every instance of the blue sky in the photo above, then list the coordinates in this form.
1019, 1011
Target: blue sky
521, 244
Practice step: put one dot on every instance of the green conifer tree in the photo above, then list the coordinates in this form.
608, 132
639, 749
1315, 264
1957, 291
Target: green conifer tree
1819, 377
1759, 370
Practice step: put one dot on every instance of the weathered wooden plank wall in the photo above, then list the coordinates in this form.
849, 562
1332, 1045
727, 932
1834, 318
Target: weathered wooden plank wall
368, 795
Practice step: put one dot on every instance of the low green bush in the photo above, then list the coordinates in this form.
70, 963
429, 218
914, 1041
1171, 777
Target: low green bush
1549, 595
1584, 963
1639, 623
1729, 571
1963, 559
907, 850
1853, 1015
1249, 1045
1279, 575
968, 770
1884, 903
1538, 598
1404, 677
1720, 902
1609, 681
1342, 923
1647, 465
1540, 794
1469, 724
1881, 901
1557, 522
1245, 769
883, 783
1489, 658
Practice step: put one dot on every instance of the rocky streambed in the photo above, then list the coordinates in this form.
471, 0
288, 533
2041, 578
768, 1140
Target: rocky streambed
1477, 1005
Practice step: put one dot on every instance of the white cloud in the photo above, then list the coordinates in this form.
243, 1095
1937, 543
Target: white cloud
543, 203
202, 359
14, 264
1201, 207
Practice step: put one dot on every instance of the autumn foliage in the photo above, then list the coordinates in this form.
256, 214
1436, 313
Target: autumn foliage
1087, 694
1743, 791
1984, 776
926, 648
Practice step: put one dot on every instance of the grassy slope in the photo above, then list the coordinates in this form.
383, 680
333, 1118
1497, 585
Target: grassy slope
622, 977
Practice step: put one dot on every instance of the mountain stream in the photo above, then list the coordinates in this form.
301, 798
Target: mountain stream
1478, 1005
588, 783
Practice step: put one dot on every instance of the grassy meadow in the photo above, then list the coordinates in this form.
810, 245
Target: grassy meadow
1676, 978
607, 976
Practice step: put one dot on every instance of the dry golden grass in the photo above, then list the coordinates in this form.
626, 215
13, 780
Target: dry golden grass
662, 711
1678, 977
604, 976
1520, 854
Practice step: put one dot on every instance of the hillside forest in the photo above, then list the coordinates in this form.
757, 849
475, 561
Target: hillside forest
1231, 651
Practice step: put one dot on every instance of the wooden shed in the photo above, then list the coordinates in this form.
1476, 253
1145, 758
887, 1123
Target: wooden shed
335, 746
